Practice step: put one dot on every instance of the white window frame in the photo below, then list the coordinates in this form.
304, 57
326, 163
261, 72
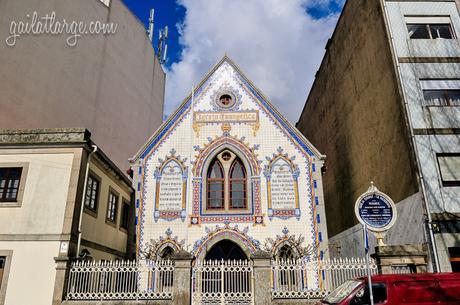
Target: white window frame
438, 85
431, 20
449, 182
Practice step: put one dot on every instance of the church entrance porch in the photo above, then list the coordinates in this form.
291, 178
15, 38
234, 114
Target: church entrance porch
225, 276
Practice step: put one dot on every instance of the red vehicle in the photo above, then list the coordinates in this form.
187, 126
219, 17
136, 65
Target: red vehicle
396, 289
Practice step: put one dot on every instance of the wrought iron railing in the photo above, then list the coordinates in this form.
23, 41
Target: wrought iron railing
120, 280
223, 282
300, 278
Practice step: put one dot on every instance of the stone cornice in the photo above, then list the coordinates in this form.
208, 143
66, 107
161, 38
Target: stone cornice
42, 136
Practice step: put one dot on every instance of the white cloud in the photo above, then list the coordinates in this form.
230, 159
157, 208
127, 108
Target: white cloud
275, 42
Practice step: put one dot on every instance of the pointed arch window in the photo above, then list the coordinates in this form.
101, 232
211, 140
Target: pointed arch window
216, 198
237, 185
226, 183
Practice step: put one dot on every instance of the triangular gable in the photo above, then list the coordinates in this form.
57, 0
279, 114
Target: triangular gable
186, 103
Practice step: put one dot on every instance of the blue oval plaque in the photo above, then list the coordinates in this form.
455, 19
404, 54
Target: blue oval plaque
375, 210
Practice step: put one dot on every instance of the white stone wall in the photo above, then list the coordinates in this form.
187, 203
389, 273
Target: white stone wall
440, 198
265, 140
405, 47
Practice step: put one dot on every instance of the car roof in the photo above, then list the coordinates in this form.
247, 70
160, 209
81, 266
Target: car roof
414, 277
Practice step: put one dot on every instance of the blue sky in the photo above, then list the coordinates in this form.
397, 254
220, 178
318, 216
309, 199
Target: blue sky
167, 13
202, 31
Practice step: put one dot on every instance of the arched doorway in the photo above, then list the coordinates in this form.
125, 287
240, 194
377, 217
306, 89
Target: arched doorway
224, 274
225, 250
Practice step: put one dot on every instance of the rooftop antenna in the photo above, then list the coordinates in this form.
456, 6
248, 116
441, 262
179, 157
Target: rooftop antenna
150, 30
162, 46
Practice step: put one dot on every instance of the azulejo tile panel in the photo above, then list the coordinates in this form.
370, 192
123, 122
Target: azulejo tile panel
226, 112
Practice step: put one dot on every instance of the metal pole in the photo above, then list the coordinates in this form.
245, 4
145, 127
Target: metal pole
369, 278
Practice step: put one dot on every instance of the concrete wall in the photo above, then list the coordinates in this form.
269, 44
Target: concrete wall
32, 274
112, 85
45, 193
354, 115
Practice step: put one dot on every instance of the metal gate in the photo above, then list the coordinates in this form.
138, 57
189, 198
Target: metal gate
223, 283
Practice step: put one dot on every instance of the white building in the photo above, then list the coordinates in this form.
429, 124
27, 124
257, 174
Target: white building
226, 175
426, 45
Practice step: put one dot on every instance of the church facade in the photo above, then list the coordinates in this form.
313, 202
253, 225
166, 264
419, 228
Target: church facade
226, 175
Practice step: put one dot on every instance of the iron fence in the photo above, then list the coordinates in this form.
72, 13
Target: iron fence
223, 282
300, 278
120, 280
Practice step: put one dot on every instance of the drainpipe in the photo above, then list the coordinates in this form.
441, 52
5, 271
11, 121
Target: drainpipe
432, 241
83, 197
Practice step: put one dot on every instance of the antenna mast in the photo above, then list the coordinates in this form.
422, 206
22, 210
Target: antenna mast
150, 30
162, 45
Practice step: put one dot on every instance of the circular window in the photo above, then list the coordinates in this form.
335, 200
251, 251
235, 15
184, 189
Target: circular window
226, 156
226, 100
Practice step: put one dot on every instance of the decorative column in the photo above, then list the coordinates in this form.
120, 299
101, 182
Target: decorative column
182, 278
262, 275
394, 259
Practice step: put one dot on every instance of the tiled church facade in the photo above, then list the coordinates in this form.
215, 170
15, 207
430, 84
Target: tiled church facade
283, 202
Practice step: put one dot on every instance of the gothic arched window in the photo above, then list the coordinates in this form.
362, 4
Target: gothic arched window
237, 185
285, 253
226, 183
167, 253
216, 186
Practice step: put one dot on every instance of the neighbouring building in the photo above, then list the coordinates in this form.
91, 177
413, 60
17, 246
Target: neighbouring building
385, 107
226, 176
111, 84
43, 200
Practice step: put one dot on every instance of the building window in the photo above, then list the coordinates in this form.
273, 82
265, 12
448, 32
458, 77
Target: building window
2, 268
92, 193
124, 222
285, 253
226, 100
449, 168
441, 92
226, 183
442, 97
215, 186
5, 266
10, 178
237, 185
454, 254
112, 207
427, 27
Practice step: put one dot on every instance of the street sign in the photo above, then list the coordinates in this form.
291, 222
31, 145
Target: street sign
375, 210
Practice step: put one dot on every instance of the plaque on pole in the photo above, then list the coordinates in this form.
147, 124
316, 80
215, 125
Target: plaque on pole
377, 213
